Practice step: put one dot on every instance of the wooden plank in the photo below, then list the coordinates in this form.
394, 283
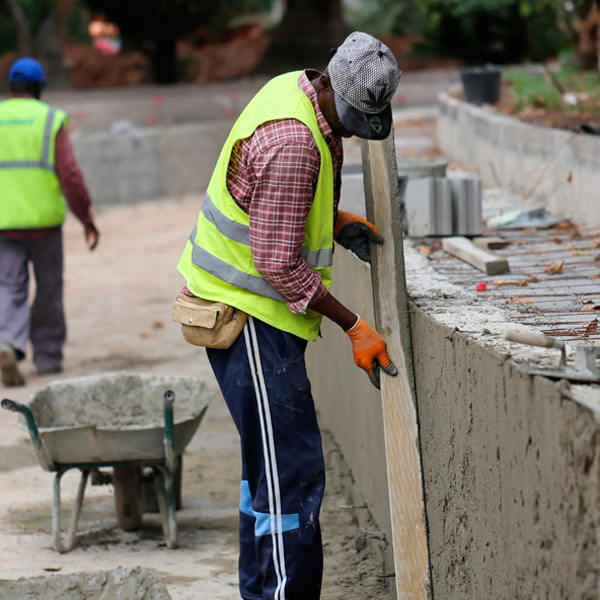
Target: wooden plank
490, 243
403, 459
484, 260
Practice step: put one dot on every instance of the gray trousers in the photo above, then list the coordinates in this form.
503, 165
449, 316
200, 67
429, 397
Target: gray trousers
44, 321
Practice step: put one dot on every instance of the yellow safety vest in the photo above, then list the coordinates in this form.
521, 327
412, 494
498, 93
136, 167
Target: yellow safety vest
30, 194
217, 260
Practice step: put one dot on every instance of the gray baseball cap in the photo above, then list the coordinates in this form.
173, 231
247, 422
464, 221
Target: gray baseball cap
364, 75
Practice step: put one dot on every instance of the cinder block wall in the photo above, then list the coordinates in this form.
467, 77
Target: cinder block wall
511, 468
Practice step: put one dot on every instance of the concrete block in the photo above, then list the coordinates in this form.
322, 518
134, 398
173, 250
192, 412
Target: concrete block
443, 207
419, 169
466, 206
428, 207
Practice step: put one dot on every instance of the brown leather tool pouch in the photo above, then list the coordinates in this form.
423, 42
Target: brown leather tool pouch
206, 323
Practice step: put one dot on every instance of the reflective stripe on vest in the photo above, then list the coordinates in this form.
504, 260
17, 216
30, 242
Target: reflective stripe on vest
31, 195
219, 268
217, 261
239, 232
45, 163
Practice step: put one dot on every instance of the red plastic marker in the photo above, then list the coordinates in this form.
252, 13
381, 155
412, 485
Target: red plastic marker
482, 287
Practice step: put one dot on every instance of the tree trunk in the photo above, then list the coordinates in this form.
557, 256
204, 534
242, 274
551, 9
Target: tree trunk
64, 10
24, 47
308, 31
48, 48
588, 38
164, 54
598, 35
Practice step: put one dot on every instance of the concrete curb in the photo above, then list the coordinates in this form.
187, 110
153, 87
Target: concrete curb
150, 163
557, 168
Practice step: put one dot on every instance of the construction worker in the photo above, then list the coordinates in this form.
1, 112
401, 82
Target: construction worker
263, 243
37, 166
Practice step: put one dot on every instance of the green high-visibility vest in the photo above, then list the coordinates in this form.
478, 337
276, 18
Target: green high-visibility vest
217, 260
30, 194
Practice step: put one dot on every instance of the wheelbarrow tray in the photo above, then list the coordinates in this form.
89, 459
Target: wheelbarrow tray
115, 417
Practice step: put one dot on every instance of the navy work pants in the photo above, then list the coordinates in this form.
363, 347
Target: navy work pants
264, 382
44, 321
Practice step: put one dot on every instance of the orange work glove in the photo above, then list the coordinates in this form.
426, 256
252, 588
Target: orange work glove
354, 233
370, 351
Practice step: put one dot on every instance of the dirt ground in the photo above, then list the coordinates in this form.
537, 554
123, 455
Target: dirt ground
118, 302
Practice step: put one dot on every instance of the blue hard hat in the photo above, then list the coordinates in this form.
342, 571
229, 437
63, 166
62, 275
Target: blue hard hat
27, 69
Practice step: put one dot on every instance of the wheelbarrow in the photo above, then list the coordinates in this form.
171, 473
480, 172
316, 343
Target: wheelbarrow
121, 420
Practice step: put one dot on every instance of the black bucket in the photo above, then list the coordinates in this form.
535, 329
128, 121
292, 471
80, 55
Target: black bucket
482, 84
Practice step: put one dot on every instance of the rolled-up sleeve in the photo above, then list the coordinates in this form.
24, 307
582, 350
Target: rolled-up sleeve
285, 176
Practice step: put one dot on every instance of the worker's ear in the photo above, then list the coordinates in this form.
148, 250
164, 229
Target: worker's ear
324, 83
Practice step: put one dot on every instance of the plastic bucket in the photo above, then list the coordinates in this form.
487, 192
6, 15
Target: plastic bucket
482, 84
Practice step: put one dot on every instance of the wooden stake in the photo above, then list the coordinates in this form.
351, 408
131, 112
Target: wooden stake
383, 199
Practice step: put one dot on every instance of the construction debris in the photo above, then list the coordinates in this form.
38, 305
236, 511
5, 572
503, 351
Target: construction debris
484, 260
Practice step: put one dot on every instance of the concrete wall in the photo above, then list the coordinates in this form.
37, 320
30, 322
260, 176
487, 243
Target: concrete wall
511, 473
150, 163
557, 168
348, 405
510, 465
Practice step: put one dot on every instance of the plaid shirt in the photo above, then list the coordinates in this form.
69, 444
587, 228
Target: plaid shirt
272, 176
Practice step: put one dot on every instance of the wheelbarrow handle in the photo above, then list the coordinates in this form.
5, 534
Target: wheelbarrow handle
11, 405
34, 433
169, 431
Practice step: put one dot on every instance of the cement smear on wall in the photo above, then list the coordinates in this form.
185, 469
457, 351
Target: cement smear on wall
510, 461
121, 584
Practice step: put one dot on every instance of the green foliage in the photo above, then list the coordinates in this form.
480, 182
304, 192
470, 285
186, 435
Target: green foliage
385, 17
8, 35
535, 89
499, 31
138, 15
36, 12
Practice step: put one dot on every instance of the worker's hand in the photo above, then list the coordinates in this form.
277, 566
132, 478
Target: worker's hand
370, 351
355, 233
92, 236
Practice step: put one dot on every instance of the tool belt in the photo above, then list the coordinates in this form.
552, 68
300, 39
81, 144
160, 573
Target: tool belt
207, 323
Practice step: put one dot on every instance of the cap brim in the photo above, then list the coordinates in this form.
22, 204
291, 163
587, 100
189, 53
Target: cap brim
22, 79
364, 125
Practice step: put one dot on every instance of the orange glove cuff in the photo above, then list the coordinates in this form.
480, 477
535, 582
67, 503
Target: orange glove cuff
344, 218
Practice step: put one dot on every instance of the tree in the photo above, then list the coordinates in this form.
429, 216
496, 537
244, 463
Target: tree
583, 23
24, 45
500, 31
154, 26
36, 24
308, 30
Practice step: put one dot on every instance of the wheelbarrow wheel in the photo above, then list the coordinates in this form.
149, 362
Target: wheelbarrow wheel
129, 497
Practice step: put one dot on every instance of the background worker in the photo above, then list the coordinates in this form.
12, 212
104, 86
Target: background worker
264, 244
37, 166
